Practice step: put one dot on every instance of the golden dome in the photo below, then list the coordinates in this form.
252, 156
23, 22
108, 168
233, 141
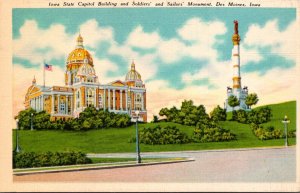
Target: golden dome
79, 54
133, 75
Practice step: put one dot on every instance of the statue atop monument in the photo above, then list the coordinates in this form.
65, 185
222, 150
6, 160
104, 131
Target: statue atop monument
236, 27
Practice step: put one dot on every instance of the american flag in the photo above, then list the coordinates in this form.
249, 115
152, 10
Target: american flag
48, 67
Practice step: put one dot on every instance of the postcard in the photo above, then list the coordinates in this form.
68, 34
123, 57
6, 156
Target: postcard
149, 95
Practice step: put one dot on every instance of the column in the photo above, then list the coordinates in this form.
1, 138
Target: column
85, 98
37, 104
71, 105
126, 100
114, 99
142, 101
104, 98
95, 98
121, 100
52, 104
42, 102
67, 104
58, 104
108, 99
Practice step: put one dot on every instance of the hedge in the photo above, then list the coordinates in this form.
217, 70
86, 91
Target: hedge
215, 134
163, 135
33, 159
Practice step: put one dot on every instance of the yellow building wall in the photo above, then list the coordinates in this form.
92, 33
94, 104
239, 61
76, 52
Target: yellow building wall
82, 97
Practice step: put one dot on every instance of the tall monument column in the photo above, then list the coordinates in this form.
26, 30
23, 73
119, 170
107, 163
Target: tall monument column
236, 59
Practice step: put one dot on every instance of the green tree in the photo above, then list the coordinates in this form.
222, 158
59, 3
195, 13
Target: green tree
233, 101
40, 120
251, 99
155, 119
218, 114
164, 112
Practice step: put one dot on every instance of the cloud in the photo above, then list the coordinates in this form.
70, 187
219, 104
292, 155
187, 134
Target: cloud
145, 63
95, 33
281, 42
138, 38
196, 30
36, 45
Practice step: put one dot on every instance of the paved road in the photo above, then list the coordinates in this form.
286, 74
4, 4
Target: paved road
244, 165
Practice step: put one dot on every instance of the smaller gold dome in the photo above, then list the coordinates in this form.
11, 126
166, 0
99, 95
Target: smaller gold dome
133, 75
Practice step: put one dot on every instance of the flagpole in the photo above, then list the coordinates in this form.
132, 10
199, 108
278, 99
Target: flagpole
44, 73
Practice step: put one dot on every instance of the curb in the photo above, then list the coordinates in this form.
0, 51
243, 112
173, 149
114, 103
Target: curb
101, 167
193, 151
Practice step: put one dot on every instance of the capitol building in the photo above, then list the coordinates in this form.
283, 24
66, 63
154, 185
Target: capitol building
82, 89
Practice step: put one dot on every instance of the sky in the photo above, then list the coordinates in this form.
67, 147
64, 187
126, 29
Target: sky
181, 53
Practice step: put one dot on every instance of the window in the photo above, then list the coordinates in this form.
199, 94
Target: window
100, 101
62, 108
90, 97
78, 99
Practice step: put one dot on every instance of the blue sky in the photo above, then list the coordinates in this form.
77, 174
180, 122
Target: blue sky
175, 48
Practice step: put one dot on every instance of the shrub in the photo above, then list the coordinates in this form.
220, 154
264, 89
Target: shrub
218, 114
241, 116
215, 134
33, 159
188, 114
263, 115
266, 133
162, 135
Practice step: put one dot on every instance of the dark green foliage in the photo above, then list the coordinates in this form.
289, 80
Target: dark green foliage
292, 134
266, 133
233, 101
155, 119
214, 134
218, 114
40, 120
251, 99
33, 159
241, 116
162, 135
262, 115
90, 118
188, 114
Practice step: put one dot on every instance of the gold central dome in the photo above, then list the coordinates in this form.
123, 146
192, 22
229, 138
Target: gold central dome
79, 54
133, 75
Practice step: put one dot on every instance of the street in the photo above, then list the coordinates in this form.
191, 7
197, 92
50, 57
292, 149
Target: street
242, 165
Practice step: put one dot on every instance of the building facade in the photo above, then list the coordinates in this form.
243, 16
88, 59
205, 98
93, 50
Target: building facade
82, 89
236, 89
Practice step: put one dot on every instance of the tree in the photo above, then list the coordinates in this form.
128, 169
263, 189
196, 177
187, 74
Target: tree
233, 101
155, 119
218, 114
164, 112
251, 99
40, 120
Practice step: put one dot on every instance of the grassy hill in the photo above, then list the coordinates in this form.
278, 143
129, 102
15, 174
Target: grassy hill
116, 139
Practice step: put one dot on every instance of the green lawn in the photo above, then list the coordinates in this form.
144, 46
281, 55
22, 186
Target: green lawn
116, 139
